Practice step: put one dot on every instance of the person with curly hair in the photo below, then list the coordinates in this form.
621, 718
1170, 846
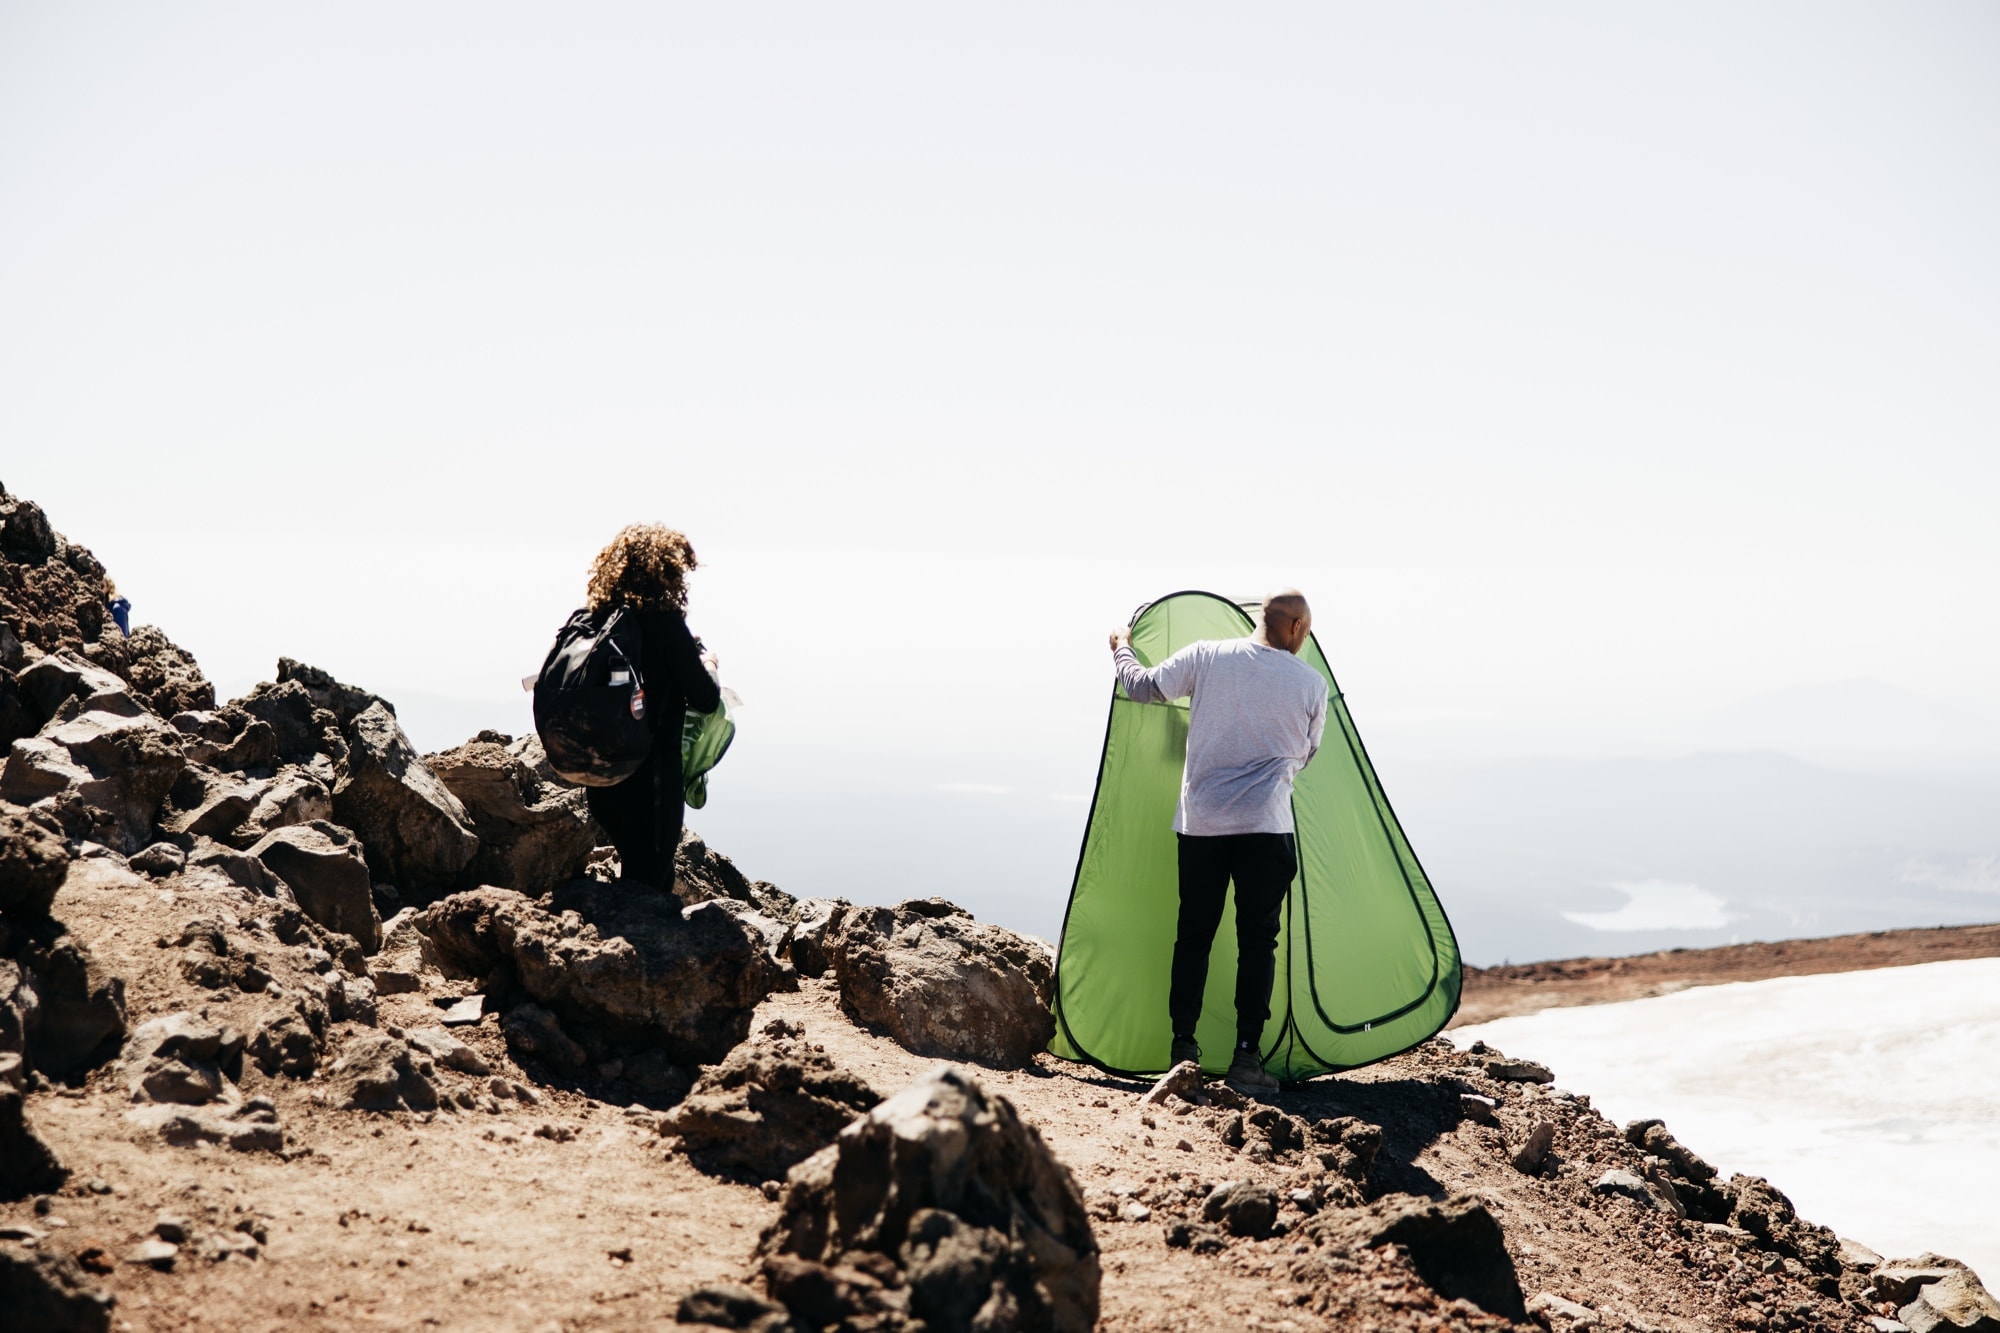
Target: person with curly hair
644, 570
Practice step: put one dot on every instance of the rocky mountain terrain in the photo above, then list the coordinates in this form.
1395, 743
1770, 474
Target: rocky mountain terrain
302, 1029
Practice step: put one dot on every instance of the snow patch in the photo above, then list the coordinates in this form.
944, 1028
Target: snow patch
1872, 1099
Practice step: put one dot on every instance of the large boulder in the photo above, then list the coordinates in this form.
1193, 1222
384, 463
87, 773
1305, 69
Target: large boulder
51, 682
944, 1192
204, 803
941, 983
120, 767
181, 1059
231, 739
163, 673
1455, 1245
415, 833
630, 965
59, 1007
34, 861
323, 866
1956, 1303
765, 1109
378, 1072
301, 730
533, 833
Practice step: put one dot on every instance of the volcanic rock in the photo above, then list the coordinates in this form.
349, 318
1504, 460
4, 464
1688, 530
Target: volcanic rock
324, 868
179, 1058
58, 1006
52, 682
1534, 1149
27, 1165
345, 702
250, 1127
701, 873
761, 1112
629, 964
50, 1293
448, 1051
533, 1033
232, 740
1899, 1280
941, 983
159, 860
1767, 1214
944, 1192
415, 833
120, 767
378, 1072
238, 868
292, 796
1246, 1208
1518, 1071
1455, 1245
815, 920
205, 803
300, 729
533, 833
34, 861
1955, 1303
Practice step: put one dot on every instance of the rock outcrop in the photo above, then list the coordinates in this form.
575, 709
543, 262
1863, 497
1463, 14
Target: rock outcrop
118, 766
34, 860
765, 1109
938, 1206
416, 834
59, 1008
941, 983
612, 964
323, 866
534, 832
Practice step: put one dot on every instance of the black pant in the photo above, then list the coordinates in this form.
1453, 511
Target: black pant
643, 815
1262, 865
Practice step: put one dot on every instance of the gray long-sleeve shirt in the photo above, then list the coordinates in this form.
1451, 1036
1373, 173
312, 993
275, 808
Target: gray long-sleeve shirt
1255, 720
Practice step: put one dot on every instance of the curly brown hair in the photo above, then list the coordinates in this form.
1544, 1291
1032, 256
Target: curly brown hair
645, 567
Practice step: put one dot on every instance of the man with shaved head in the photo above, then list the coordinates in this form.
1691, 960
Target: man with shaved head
1255, 717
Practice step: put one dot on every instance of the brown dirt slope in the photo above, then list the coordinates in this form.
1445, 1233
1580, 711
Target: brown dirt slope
1524, 988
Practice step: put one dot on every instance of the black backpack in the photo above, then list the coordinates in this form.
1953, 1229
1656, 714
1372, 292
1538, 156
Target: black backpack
590, 700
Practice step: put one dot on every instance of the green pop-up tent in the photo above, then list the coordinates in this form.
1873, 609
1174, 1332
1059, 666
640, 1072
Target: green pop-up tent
1367, 965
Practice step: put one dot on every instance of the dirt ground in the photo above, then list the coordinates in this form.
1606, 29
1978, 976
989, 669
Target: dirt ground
1524, 988
574, 1214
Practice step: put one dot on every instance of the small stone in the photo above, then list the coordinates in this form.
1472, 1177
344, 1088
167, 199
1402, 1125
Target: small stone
1561, 1316
464, 1012
1519, 1071
97, 1185
1534, 1150
1246, 1208
449, 1051
42, 1204
1134, 1211
1181, 1083
771, 1189
158, 1253
21, 1231
1477, 1108
1182, 1145
171, 1227
1627, 1185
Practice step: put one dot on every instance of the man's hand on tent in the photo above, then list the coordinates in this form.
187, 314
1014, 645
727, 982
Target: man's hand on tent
1120, 638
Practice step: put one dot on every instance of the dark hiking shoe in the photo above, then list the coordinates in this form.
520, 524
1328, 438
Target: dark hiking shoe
1185, 1049
1247, 1075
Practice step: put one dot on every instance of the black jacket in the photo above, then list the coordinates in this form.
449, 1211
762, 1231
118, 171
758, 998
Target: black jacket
675, 678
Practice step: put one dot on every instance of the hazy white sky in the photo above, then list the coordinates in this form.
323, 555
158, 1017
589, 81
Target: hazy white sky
1586, 364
